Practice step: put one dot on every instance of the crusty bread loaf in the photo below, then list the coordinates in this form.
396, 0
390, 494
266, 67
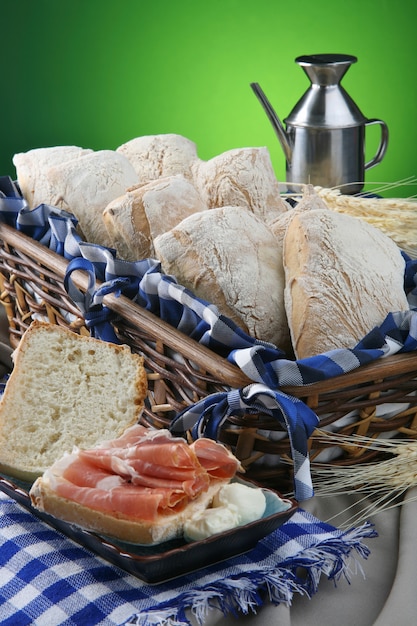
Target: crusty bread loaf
156, 156
85, 186
240, 177
229, 257
343, 276
65, 390
133, 531
32, 167
146, 211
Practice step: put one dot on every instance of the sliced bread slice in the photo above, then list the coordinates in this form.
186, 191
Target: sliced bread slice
65, 390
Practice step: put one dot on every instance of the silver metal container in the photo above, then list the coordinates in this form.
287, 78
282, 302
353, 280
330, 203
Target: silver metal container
324, 138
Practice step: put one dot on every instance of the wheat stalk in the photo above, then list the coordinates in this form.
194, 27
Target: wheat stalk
380, 484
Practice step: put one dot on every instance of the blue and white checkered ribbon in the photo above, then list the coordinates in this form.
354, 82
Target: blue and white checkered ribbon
206, 417
47, 580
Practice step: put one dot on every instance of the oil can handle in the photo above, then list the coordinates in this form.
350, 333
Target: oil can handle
383, 144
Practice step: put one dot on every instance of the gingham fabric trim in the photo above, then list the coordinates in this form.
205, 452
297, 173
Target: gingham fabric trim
145, 284
205, 419
47, 580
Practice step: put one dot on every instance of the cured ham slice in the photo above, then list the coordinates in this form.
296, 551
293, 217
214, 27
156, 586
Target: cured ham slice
213, 458
142, 477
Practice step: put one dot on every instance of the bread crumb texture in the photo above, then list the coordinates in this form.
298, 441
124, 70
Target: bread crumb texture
66, 391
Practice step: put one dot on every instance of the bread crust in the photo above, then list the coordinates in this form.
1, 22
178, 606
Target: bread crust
86, 185
156, 156
32, 170
240, 177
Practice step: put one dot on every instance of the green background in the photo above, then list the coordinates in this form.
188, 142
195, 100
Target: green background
96, 73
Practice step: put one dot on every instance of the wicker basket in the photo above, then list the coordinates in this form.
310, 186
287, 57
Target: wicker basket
181, 371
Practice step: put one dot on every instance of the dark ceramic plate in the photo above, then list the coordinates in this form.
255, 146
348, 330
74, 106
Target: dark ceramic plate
159, 563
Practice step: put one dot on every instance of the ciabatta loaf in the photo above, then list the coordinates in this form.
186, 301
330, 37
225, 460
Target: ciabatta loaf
32, 170
157, 156
85, 186
146, 211
343, 277
65, 390
240, 177
229, 257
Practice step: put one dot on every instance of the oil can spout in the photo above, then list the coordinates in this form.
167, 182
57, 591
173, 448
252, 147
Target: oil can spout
275, 121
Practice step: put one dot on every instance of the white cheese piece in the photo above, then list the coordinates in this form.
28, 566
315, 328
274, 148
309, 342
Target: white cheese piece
210, 522
250, 503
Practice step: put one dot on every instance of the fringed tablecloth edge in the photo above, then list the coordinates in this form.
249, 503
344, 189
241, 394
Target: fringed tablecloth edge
240, 595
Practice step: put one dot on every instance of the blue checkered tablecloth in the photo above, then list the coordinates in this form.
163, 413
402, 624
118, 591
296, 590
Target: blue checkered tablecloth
48, 580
